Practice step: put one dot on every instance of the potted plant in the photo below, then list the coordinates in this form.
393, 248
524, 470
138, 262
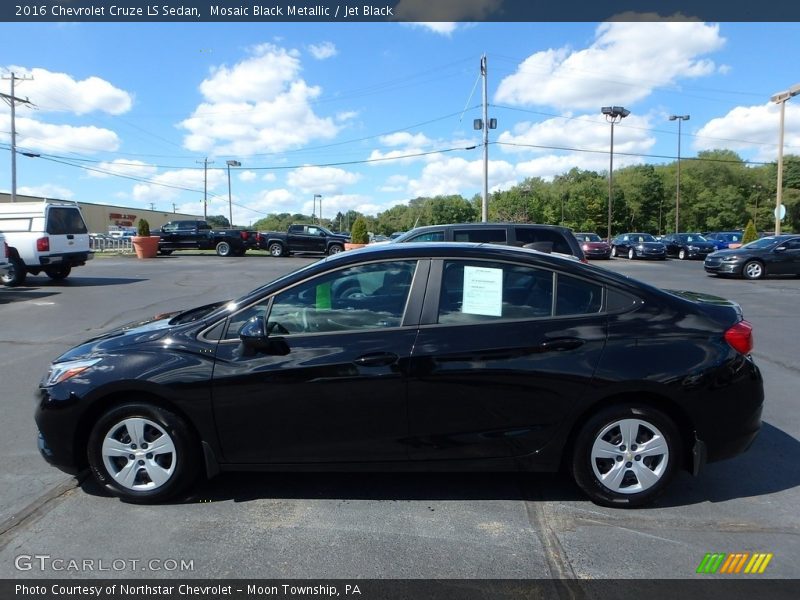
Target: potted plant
358, 235
145, 245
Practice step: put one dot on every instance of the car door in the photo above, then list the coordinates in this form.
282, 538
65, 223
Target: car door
503, 353
786, 261
316, 240
333, 389
66, 230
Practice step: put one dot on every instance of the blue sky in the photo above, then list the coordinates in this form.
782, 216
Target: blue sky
311, 108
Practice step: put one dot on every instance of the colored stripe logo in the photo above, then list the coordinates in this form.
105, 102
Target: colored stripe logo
735, 563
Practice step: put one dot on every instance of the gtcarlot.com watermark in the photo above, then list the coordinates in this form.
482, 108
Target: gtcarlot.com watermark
48, 563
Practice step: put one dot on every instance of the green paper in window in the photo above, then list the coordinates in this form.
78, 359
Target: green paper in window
323, 299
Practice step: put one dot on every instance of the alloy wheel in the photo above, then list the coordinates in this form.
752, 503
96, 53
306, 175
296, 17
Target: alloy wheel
139, 454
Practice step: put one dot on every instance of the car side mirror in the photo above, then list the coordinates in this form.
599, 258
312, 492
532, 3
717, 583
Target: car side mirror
255, 339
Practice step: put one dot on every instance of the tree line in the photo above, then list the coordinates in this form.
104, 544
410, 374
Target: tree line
718, 191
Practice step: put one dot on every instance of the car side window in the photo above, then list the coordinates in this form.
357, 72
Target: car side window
371, 296
475, 292
577, 297
481, 235
62, 221
532, 235
430, 236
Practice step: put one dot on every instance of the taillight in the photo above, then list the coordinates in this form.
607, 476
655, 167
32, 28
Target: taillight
740, 337
243, 235
43, 244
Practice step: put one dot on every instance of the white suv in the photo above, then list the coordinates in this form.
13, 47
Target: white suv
49, 237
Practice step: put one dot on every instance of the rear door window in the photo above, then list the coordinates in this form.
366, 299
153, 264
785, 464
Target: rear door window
64, 221
532, 235
429, 236
481, 235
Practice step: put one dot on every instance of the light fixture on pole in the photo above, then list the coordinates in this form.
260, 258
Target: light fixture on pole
781, 98
319, 219
614, 114
231, 163
680, 119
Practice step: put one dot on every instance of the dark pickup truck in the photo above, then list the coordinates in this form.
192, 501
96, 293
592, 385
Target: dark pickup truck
198, 235
302, 238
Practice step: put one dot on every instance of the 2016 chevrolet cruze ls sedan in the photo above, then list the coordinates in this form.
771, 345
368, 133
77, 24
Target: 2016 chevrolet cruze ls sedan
431, 356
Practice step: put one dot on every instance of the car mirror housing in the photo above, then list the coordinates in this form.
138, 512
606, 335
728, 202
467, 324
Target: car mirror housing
255, 338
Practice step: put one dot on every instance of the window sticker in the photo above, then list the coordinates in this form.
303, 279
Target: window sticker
323, 296
483, 291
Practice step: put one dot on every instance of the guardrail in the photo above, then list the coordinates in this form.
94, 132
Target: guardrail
119, 245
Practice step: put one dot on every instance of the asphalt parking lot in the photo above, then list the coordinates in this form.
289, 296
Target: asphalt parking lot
499, 526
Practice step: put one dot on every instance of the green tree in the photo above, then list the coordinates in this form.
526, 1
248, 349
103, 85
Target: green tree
218, 221
358, 233
750, 233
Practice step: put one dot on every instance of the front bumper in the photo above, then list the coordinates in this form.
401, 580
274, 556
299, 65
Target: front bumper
722, 268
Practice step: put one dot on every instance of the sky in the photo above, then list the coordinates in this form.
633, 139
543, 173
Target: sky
370, 115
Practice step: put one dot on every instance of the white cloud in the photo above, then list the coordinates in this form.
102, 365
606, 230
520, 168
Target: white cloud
45, 137
626, 62
248, 176
127, 167
323, 50
321, 180
441, 27
753, 129
58, 92
258, 105
269, 177
458, 176
404, 138
47, 190
395, 183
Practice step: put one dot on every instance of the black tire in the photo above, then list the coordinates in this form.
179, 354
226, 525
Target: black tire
179, 468
631, 254
638, 480
753, 269
224, 249
276, 249
682, 254
613, 251
59, 273
164, 252
16, 273
335, 249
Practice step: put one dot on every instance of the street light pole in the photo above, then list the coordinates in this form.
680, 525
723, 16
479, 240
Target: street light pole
614, 114
680, 119
231, 163
781, 98
319, 218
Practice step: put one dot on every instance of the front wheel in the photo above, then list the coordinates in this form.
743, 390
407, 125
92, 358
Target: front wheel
16, 272
613, 251
224, 249
682, 254
276, 249
631, 254
59, 273
142, 453
753, 270
626, 455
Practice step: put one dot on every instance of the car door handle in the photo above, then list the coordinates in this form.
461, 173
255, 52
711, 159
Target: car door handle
560, 344
376, 359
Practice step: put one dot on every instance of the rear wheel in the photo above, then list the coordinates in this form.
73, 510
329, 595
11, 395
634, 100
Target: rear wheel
59, 273
682, 254
631, 254
142, 453
753, 270
335, 249
16, 272
276, 249
626, 455
224, 249
614, 251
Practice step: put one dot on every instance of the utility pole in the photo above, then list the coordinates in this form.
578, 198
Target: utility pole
12, 102
174, 208
205, 162
485, 124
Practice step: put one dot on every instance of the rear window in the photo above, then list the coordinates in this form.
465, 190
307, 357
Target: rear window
530, 235
64, 221
481, 235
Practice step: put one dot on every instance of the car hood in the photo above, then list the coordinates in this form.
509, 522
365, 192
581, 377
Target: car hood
137, 332
729, 252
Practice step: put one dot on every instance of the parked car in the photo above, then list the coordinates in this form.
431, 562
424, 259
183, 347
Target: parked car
724, 239
47, 237
638, 245
313, 239
194, 234
432, 356
545, 238
4, 264
687, 245
593, 245
771, 255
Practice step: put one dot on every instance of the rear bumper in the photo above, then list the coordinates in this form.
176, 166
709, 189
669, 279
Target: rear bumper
73, 259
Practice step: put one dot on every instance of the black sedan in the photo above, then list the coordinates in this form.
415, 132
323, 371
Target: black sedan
688, 245
771, 255
638, 245
431, 356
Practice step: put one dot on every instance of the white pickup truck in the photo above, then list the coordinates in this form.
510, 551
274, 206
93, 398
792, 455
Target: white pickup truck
49, 237
4, 266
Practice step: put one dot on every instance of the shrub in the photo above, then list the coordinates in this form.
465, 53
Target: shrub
750, 234
358, 233
143, 228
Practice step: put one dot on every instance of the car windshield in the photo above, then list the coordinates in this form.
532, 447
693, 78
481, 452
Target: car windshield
761, 244
588, 237
642, 237
692, 237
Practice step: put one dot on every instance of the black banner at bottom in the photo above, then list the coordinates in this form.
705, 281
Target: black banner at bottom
400, 589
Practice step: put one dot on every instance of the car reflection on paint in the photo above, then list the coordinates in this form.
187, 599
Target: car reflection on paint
429, 356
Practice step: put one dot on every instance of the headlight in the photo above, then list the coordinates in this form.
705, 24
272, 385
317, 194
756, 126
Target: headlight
693, 248
730, 259
67, 370
640, 247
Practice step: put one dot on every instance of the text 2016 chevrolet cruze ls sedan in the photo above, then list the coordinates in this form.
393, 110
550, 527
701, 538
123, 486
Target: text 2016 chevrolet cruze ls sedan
431, 356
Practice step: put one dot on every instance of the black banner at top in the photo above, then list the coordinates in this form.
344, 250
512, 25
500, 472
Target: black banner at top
393, 10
